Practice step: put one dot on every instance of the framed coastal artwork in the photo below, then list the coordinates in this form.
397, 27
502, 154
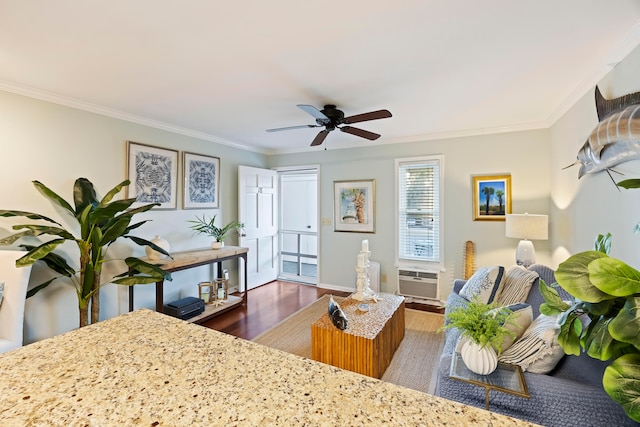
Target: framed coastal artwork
201, 183
153, 172
354, 205
491, 197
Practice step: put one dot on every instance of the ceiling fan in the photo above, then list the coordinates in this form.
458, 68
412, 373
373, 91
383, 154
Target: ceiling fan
332, 118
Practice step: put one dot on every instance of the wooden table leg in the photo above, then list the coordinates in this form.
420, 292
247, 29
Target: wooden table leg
160, 296
488, 391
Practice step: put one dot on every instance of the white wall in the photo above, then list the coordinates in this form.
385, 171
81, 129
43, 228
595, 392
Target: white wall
55, 145
525, 155
592, 205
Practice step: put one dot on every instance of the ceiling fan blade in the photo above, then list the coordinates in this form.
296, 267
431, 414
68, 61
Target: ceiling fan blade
313, 111
319, 139
292, 127
360, 132
373, 115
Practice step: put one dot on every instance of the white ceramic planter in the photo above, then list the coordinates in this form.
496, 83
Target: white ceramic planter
481, 360
160, 242
217, 245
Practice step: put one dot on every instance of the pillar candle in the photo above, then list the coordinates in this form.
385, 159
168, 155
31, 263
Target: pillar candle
365, 245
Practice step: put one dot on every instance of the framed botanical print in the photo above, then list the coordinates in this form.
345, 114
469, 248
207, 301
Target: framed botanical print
354, 205
153, 172
491, 197
201, 181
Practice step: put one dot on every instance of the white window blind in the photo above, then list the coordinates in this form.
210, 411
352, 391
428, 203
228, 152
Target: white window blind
419, 209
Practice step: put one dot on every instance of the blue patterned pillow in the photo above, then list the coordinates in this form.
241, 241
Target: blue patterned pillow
484, 284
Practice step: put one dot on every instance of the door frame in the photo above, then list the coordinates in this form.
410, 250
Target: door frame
292, 169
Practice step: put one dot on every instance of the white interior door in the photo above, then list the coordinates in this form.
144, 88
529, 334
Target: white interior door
299, 225
258, 211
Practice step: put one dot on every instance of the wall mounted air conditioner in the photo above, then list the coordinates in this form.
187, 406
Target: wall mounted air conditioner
418, 283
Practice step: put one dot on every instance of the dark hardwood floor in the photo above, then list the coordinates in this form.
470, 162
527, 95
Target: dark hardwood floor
267, 306
273, 302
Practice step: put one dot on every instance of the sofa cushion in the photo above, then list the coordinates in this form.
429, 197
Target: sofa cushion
522, 319
538, 350
516, 285
484, 284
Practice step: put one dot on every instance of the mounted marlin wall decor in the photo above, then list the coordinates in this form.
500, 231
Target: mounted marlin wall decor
616, 138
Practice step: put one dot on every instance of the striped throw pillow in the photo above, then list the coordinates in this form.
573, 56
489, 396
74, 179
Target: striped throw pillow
538, 349
516, 287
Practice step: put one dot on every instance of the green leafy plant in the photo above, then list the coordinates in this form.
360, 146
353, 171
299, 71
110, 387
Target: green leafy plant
207, 226
483, 323
98, 223
603, 319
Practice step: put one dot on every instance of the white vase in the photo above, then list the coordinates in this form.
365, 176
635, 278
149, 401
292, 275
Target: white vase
481, 360
161, 243
217, 245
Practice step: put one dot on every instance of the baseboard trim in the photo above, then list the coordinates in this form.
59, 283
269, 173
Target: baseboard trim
335, 287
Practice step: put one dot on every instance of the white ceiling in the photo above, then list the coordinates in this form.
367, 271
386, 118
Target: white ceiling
226, 71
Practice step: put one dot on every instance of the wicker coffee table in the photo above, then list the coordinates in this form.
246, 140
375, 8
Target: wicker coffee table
368, 344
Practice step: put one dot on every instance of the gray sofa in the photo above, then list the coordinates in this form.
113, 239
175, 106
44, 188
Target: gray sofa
570, 395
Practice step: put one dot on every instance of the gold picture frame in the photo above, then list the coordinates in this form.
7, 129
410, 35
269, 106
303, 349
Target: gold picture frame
491, 197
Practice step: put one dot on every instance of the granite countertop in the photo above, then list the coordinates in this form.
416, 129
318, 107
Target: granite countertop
149, 369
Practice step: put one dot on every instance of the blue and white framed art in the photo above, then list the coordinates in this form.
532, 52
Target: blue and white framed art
153, 173
201, 181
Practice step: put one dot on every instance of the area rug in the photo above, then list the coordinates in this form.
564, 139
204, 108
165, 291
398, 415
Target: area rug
414, 364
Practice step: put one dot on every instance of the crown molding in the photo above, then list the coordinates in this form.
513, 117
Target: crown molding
617, 53
117, 114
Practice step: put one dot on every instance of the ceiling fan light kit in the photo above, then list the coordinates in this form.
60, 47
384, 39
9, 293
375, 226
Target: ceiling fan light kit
332, 118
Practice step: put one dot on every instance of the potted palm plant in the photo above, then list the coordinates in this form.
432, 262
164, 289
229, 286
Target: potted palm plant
483, 329
98, 223
208, 227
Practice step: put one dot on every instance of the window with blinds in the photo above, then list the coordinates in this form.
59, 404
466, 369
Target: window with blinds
419, 197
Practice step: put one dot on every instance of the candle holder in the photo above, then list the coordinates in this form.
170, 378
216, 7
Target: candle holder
221, 291
206, 292
363, 284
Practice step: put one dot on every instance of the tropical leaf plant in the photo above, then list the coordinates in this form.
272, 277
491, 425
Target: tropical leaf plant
98, 223
603, 320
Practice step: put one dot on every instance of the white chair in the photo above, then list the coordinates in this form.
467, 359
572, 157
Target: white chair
16, 281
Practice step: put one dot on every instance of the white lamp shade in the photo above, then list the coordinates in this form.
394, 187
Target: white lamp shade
527, 226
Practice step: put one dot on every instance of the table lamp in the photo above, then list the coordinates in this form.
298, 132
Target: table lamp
526, 227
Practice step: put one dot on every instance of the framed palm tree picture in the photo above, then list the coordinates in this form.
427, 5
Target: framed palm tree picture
354, 205
491, 197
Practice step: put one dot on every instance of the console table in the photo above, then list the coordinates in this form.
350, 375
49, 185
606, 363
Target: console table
197, 258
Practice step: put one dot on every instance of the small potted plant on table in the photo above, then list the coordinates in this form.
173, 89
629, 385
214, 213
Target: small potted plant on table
208, 227
483, 329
